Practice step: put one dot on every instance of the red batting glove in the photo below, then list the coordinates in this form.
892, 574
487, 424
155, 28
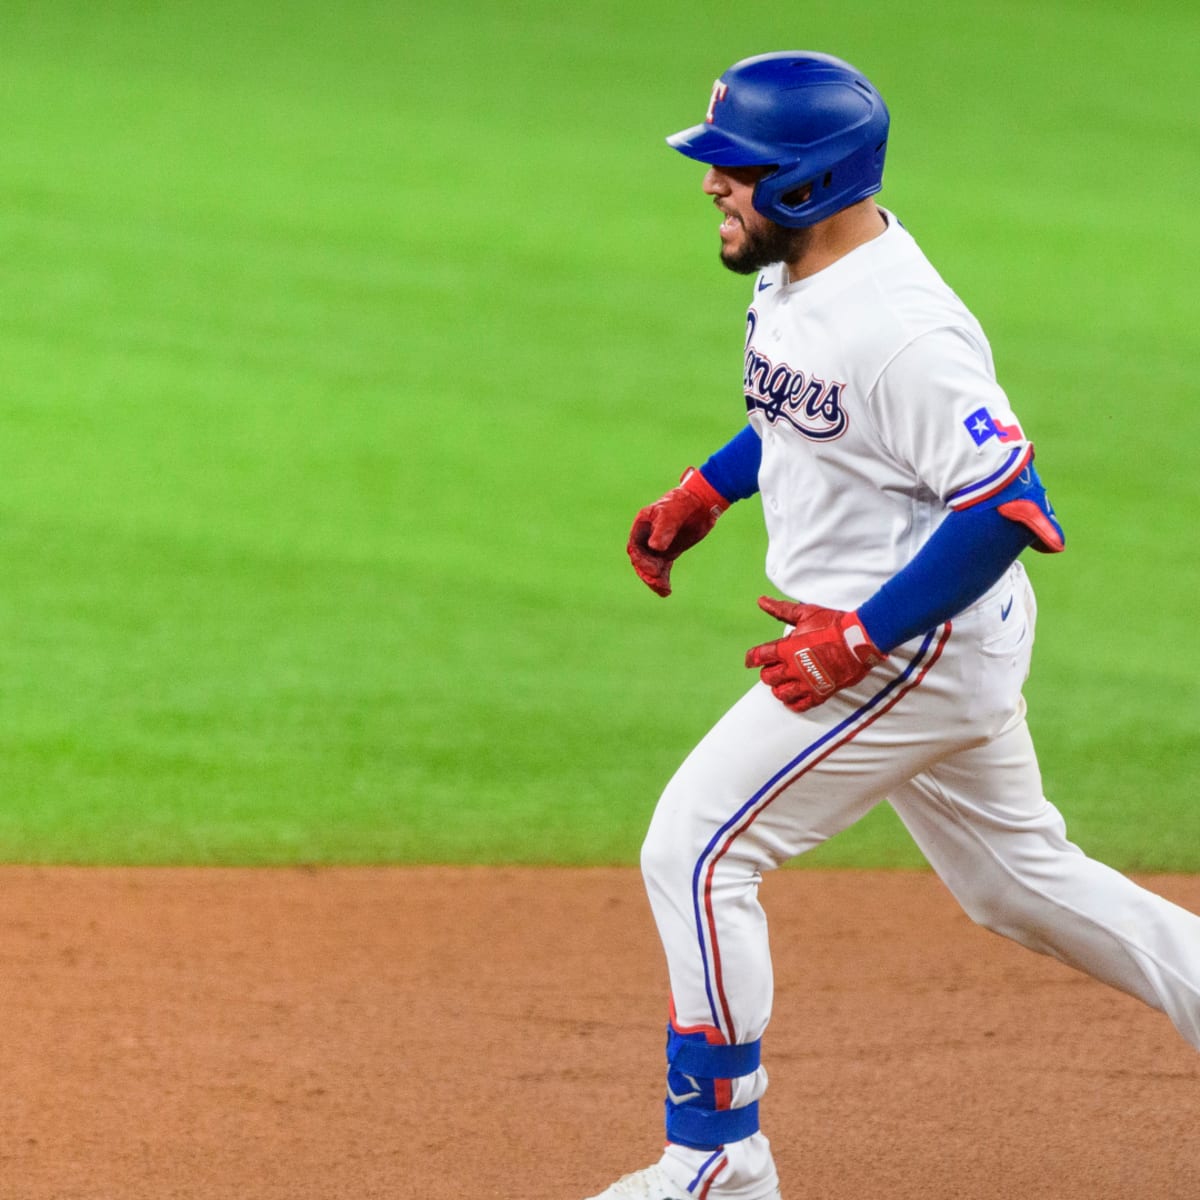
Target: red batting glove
662, 531
826, 651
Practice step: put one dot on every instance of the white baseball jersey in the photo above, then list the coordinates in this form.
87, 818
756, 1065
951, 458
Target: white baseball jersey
873, 390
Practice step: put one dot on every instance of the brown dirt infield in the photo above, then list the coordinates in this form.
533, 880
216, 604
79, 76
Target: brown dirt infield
460, 1034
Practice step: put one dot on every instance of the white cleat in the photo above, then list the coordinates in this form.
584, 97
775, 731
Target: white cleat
660, 1182
650, 1184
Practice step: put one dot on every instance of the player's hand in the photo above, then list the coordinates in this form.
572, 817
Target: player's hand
826, 651
662, 531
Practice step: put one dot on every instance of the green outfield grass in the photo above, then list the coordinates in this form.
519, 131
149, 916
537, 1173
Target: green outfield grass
340, 345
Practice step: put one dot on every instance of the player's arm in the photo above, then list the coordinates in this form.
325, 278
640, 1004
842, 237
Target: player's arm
662, 531
972, 548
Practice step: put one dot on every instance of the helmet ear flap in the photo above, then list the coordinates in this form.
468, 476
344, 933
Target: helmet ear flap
796, 197
799, 196
785, 196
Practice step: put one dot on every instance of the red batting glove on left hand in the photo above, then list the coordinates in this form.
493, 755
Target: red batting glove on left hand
828, 650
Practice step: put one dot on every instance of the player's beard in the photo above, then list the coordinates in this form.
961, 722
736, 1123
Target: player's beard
768, 243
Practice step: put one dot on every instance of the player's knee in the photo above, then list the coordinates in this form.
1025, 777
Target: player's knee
661, 858
672, 843
1002, 910
983, 910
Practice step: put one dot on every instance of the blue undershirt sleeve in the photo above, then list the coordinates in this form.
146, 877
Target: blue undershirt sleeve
733, 470
967, 553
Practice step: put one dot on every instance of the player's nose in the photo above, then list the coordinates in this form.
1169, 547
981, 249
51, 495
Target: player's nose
716, 182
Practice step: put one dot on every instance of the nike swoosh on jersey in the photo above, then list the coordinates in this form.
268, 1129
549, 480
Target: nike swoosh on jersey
763, 284
1006, 609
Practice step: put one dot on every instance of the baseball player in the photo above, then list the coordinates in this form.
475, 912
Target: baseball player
899, 489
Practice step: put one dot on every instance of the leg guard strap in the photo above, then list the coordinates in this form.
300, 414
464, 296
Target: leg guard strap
692, 1055
706, 1129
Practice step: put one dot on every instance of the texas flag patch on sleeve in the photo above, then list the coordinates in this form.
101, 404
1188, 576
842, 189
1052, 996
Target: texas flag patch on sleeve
981, 425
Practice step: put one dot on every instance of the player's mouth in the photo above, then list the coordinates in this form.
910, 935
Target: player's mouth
730, 225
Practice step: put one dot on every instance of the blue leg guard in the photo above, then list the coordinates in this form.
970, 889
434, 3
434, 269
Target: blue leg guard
699, 1090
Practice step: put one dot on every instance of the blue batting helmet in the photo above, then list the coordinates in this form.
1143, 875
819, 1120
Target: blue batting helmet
814, 118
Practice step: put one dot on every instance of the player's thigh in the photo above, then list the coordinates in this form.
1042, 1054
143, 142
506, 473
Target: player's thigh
982, 821
766, 784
